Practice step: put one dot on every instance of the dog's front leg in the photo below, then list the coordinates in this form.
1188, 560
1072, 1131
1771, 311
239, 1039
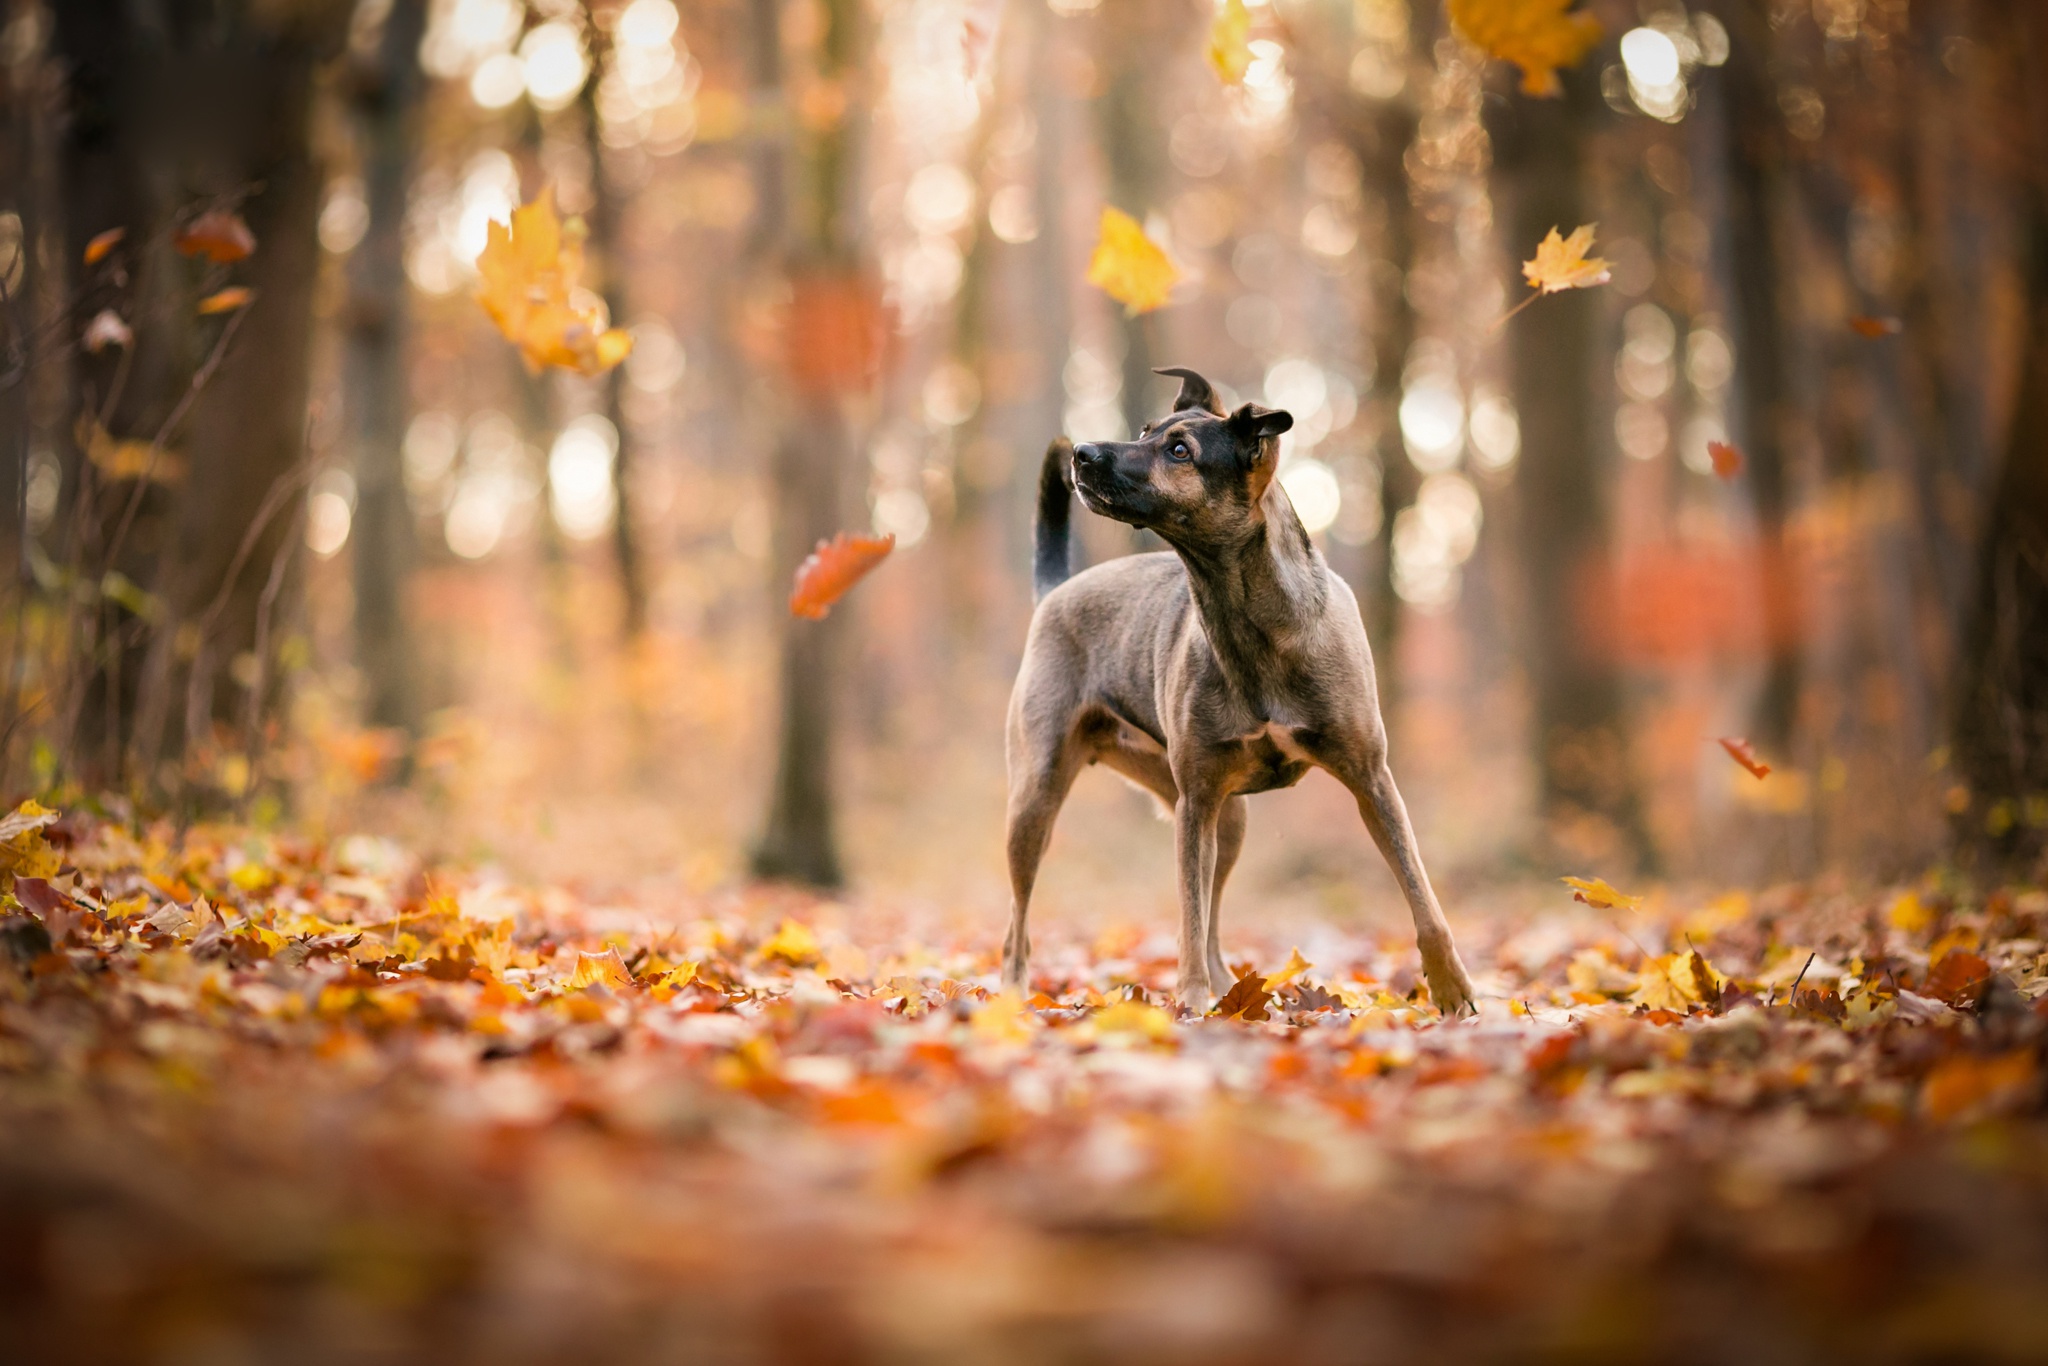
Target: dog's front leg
1194, 831
1386, 816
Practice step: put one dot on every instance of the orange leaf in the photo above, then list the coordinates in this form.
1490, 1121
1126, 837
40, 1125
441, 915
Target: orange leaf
1539, 36
1959, 978
835, 566
1562, 263
1964, 1086
219, 235
1596, 893
1246, 1000
1727, 460
1739, 750
1130, 267
1865, 326
97, 249
227, 300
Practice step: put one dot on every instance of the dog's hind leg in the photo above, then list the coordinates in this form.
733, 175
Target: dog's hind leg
1040, 777
1229, 843
1379, 802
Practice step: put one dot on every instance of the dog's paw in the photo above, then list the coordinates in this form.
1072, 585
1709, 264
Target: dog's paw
1450, 990
1195, 997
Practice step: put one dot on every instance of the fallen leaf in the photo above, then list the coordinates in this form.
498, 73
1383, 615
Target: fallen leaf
834, 567
1966, 1086
1139, 1018
599, 969
106, 329
1291, 969
1246, 1000
792, 943
1677, 982
1958, 979
1740, 751
1865, 326
103, 243
1129, 266
219, 235
1727, 460
1538, 36
1595, 892
227, 300
1909, 913
1561, 262
528, 275
1230, 50
1003, 1019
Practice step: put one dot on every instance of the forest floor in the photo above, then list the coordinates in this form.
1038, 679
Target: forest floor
265, 1098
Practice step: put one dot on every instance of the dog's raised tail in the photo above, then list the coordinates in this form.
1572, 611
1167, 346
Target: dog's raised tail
1055, 514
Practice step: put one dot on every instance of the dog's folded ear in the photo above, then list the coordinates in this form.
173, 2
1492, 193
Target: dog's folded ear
1254, 424
1195, 392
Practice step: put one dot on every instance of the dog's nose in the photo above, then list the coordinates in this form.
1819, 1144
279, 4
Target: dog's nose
1088, 453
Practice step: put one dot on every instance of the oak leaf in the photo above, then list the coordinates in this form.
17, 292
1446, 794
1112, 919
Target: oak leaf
219, 235
1129, 266
1958, 978
834, 567
528, 272
1561, 262
1596, 893
1727, 460
1538, 36
1246, 1000
1230, 50
1743, 753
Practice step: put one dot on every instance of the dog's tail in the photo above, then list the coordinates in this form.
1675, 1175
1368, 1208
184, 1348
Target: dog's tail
1055, 512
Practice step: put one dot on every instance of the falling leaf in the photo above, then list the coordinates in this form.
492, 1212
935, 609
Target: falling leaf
1739, 750
1129, 266
528, 272
1291, 969
227, 300
97, 249
1246, 1000
1562, 263
792, 943
1864, 326
1909, 913
105, 330
1230, 50
127, 457
1727, 460
600, 969
219, 235
1539, 36
835, 566
1595, 892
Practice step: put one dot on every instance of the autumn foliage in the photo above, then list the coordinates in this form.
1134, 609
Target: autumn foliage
529, 273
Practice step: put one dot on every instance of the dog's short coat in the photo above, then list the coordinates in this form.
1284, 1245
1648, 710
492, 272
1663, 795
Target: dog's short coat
1229, 665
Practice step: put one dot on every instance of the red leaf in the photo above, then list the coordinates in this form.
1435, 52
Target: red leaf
835, 566
1873, 328
219, 235
1727, 460
1740, 751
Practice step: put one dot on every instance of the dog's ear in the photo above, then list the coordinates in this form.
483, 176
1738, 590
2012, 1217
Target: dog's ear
1254, 424
1195, 392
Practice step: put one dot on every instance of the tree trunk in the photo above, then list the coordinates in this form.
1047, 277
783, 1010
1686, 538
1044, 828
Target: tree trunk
375, 400
1588, 793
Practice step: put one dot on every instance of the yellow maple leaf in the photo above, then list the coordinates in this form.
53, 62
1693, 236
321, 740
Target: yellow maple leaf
1676, 982
1129, 266
1230, 50
1291, 969
793, 943
528, 272
600, 969
1562, 263
1595, 892
23, 851
1539, 36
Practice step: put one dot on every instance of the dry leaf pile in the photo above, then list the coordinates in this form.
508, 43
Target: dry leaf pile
263, 1098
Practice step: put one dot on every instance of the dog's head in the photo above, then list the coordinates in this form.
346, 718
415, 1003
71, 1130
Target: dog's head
1196, 476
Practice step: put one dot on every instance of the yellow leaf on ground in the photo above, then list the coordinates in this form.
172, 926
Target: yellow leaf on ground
793, 943
1596, 892
1562, 263
1677, 981
23, 851
1002, 1019
1291, 969
1538, 36
1129, 266
1134, 1017
1230, 50
600, 969
529, 274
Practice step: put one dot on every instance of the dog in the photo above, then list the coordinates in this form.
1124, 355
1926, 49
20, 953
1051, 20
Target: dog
1230, 664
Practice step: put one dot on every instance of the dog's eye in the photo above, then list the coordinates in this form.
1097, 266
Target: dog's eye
1180, 450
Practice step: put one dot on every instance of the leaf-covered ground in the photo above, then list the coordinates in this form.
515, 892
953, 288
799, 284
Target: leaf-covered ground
270, 1100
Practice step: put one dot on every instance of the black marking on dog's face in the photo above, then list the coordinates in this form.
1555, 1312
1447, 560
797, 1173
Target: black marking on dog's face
1194, 476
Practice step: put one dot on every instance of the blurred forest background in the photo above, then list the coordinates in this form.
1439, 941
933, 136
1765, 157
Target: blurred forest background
335, 556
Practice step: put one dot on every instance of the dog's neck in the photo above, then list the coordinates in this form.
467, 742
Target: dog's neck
1258, 597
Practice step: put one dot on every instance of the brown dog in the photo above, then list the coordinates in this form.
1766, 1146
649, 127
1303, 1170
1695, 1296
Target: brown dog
1229, 665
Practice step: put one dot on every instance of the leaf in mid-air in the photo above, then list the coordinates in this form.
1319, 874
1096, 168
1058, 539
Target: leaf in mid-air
1291, 969
1741, 752
1727, 460
1230, 50
1595, 892
1873, 328
219, 235
1538, 36
835, 566
528, 273
1562, 263
1129, 266
102, 243
227, 300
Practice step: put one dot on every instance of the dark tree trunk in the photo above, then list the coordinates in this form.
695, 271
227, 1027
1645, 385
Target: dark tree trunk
375, 401
1541, 148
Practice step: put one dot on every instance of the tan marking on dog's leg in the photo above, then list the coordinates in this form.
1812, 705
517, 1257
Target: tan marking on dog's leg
1230, 825
1194, 831
1035, 800
1379, 802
